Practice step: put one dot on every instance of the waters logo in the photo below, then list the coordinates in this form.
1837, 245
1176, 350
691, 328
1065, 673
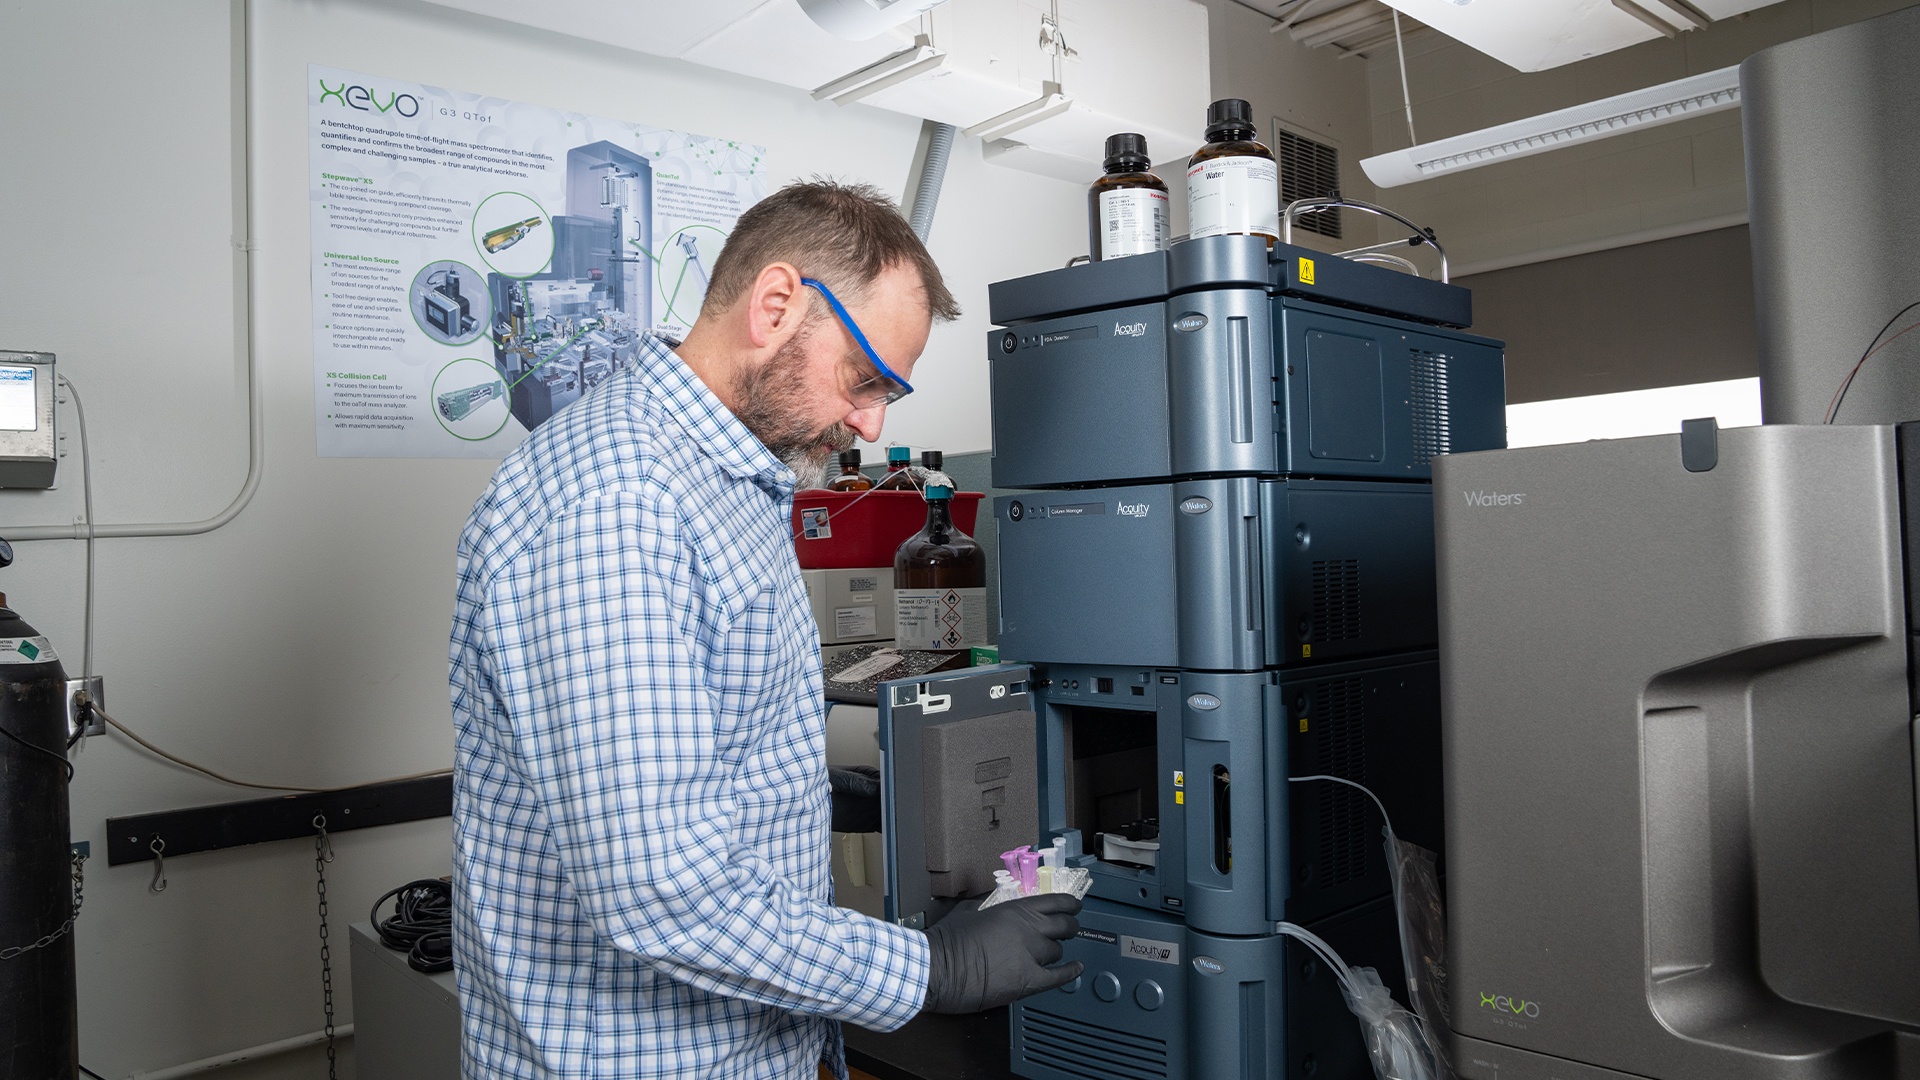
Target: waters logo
1494, 498
365, 100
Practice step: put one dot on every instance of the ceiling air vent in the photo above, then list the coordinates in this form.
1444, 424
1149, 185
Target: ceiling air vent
1308, 170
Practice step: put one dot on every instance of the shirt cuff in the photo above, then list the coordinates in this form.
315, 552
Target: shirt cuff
893, 986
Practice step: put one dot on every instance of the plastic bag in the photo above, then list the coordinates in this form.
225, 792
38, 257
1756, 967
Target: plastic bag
1396, 1040
1423, 940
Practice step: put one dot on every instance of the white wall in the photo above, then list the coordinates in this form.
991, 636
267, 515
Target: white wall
305, 642
1662, 181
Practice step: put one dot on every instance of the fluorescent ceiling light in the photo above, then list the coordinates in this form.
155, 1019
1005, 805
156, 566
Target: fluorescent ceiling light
1050, 103
892, 71
1696, 95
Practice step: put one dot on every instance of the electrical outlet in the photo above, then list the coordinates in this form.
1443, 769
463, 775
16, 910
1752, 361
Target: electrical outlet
81, 719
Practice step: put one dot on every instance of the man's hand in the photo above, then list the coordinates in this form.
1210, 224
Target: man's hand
856, 798
985, 959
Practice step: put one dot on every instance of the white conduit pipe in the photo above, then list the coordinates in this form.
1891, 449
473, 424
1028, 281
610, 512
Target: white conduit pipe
251, 1053
243, 246
932, 174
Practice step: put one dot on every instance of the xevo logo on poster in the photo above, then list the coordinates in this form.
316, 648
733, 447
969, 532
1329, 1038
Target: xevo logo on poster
365, 100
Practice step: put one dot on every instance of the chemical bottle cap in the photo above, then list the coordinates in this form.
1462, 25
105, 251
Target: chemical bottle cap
1127, 150
850, 458
1229, 116
939, 491
932, 459
901, 454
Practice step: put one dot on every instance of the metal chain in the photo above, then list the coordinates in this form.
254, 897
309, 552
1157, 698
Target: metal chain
79, 897
322, 855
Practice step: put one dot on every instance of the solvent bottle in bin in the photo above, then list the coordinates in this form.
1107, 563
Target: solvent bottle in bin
899, 473
939, 583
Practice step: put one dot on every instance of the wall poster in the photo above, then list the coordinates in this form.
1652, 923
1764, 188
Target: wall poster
478, 263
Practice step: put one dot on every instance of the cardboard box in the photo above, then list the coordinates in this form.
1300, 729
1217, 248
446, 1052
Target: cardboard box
852, 605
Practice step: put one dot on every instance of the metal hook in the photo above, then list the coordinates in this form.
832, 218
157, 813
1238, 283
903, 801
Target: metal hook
323, 843
158, 847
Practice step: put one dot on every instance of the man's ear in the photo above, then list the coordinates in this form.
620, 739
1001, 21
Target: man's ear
776, 306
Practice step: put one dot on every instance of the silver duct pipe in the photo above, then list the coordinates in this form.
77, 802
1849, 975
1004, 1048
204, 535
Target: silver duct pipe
1832, 150
933, 172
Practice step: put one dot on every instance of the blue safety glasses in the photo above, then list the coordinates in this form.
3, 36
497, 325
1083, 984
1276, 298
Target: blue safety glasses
882, 388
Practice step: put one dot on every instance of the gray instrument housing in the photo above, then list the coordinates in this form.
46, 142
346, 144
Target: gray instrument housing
1680, 759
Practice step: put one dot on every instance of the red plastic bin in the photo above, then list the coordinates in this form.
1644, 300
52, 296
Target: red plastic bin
835, 530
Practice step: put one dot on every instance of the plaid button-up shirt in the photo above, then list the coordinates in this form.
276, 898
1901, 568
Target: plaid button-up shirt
640, 819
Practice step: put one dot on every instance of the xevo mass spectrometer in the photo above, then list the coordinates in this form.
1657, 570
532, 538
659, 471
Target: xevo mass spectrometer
1679, 672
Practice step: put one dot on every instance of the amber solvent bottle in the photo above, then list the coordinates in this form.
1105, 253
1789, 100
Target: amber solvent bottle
1233, 183
899, 477
939, 583
1127, 207
850, 478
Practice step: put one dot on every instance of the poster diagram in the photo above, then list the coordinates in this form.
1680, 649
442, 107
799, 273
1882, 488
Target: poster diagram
479, 264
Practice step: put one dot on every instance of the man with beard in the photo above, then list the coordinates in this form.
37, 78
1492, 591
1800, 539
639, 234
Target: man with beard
641, 809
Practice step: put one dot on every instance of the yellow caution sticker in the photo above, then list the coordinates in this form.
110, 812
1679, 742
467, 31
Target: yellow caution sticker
1303, 725
1179, 778
1306, 271
1180, 798
1306, 650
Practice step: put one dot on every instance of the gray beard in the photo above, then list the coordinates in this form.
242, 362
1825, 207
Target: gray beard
765, 400
809, 469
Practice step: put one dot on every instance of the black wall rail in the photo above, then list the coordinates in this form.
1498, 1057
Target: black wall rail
284, 817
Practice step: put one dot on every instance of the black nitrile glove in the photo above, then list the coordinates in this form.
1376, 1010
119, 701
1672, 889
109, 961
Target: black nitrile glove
985, 959
856, 798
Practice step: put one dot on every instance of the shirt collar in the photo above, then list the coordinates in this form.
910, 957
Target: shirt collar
671, 387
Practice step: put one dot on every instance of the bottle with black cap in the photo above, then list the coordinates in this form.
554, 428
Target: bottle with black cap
1126, 207
850, 478
1233, 183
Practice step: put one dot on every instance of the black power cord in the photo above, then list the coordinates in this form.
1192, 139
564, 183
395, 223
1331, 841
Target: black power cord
43, 751
421, 925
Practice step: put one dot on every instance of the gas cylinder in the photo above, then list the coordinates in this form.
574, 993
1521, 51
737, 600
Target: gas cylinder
39, 1023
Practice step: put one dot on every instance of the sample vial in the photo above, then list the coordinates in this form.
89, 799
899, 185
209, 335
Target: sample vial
1127, 207
1233, 183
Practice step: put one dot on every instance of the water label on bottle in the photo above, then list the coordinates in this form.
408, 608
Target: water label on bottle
939, 618
26, 650
1233, 195
1133, 221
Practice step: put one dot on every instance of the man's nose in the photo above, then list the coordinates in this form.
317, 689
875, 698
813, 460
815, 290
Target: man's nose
866, 422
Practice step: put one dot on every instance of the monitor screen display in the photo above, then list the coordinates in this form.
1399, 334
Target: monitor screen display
17, 411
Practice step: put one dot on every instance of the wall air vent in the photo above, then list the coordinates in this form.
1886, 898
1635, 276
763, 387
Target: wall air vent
1308, 170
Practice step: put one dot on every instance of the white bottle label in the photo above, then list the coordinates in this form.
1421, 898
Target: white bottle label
1233, 195
1133, 221
939, 618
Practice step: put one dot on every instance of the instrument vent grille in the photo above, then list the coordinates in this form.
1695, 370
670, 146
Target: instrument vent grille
1336, 600
1431, 396
1340, 749
1076, 1048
